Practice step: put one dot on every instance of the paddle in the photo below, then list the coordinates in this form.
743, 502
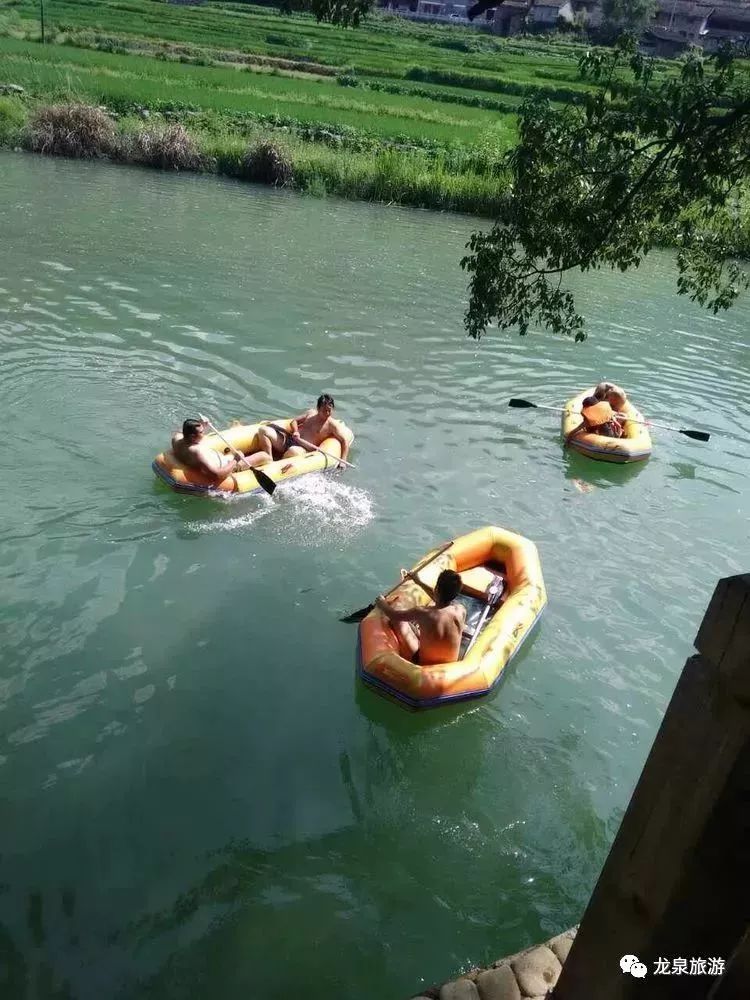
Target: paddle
309, 444
696, 435
264, 481
357, 616
493, 594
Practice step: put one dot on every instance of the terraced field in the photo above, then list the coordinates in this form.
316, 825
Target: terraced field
433, 105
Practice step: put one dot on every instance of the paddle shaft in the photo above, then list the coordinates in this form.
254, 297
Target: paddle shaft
413, 573
309, 444
490, 604
265, 482
635, 420
236, 452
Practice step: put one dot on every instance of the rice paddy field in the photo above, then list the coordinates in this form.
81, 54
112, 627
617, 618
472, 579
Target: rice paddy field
414, 113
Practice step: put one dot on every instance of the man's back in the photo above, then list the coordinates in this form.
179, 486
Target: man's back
197, 456
440, 631
437, 636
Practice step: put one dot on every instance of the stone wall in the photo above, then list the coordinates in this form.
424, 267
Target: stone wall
528, 975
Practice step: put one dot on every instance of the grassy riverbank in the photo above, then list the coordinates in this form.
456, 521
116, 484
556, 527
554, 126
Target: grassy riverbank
410, 113
415, 114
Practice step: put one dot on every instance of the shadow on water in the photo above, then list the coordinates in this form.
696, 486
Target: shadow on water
604, 475
323, 895
398, 718
32, 976
682, 470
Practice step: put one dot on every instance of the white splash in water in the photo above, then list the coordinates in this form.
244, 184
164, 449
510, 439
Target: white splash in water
314, 510
56, 265
323, 508
241, 521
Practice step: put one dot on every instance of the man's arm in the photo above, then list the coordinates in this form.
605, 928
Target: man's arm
407, 575
215, 464
344, 444
341, 438
298, 421
408, 615
297, 428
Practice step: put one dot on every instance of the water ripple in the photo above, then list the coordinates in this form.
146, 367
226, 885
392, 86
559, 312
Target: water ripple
156, 647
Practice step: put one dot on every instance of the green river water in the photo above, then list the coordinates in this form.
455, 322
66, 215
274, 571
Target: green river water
198, 799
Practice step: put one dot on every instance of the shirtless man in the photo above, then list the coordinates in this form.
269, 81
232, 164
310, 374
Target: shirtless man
313, 426
615, 396
612, 394
188, 447
598, 418
437, 638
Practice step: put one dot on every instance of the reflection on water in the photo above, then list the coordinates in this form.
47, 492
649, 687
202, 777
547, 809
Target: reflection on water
200, 799
600, 475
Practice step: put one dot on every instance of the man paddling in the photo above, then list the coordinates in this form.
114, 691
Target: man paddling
190, 448
313, 427
598, 418
431, 635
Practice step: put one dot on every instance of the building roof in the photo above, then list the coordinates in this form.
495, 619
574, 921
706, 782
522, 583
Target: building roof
684, 8
664, 35
735, 16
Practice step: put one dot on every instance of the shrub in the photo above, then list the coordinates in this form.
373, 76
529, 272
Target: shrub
522, 88
268, 162
12, 117
169, 147
76, 130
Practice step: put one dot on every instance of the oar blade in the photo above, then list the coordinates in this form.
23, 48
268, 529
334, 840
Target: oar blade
697, 435
357, 616
264, 481
522, 404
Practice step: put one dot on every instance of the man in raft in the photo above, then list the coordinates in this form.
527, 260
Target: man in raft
189, 448
598, 418
431, 635
610, 393
312, 427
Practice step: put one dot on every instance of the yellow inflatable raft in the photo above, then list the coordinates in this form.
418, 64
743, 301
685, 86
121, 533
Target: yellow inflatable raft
480, 557
633, 446
244, 437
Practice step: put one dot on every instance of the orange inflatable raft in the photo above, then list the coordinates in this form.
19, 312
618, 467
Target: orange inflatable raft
244, 437
633, 446
480, 557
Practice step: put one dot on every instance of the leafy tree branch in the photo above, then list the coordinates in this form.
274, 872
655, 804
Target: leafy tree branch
641, 162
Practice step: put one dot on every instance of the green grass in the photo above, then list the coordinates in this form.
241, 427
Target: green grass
426, 124
62, 72
425, 118
385, 45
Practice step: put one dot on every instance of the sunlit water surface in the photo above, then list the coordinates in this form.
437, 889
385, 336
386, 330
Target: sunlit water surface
199, 801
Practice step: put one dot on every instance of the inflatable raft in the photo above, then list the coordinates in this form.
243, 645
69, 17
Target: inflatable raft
244, 437
633, 446
488, 557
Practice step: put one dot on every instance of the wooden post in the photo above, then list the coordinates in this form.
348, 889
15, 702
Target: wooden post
676, 884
